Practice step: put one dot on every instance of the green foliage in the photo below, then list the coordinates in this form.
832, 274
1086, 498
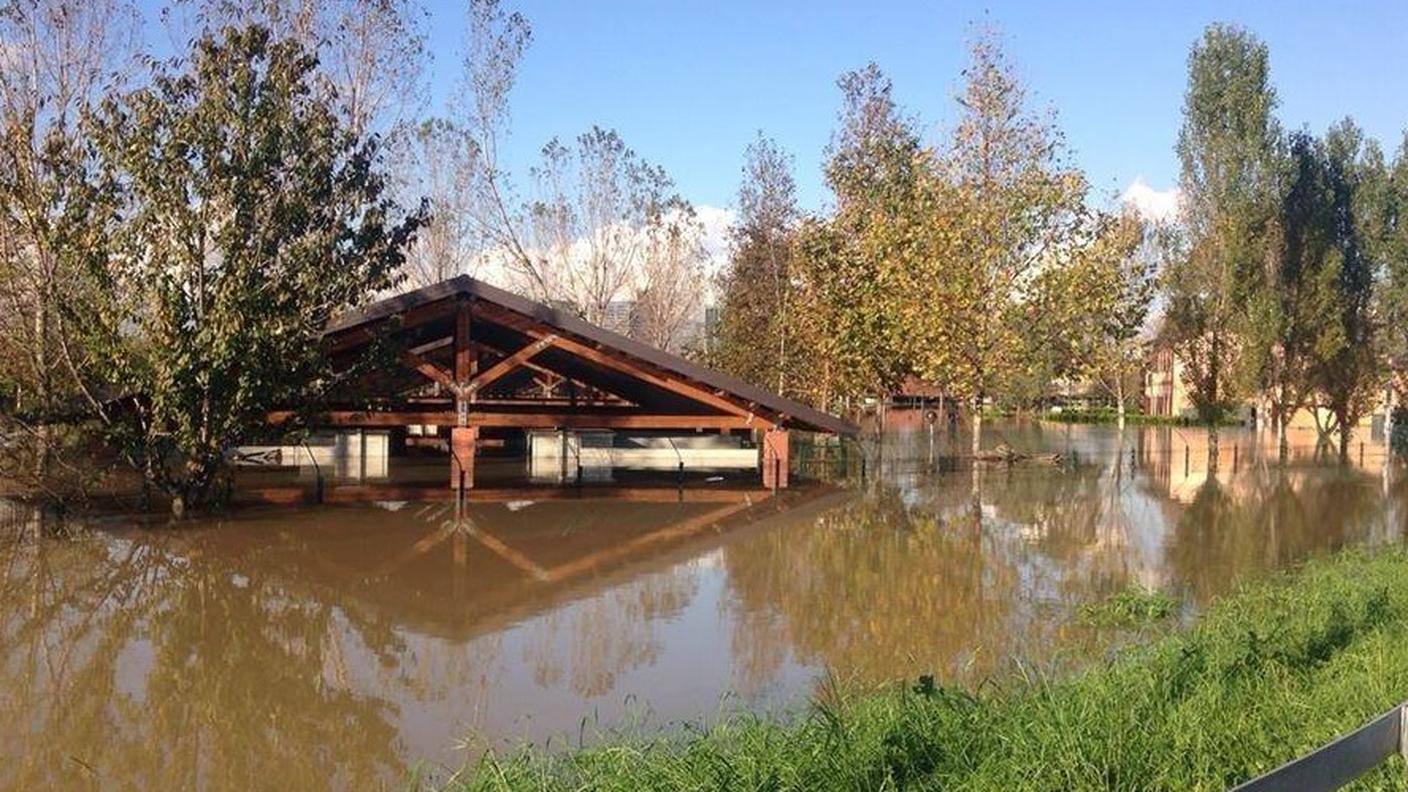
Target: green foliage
1398, 441
1226, 148
1348, 364
1293, 311
983, 316
851, 268
756, 334
1269, 673
1392, 250
1101, 301
247, 216
1133, 607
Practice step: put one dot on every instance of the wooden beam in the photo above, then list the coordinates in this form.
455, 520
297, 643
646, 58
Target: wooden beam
431, 346
493, 373
679, 530
430, 370
352, 493
543, 419
529, 327
371, 418
544, 370
363, 334
600, 420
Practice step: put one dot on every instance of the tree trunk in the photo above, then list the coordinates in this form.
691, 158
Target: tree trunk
1283, 443
1345, 433
1390, 404
1119, 408
42, 390
1212, 449
977, 444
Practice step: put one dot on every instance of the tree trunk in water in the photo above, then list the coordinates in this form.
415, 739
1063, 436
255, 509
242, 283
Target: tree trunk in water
1212, 449
1392, 404
1283, 443
1344, 438
41, 352
1119, 414
977, 429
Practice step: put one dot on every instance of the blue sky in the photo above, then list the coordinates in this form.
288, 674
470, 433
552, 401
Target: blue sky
688, 84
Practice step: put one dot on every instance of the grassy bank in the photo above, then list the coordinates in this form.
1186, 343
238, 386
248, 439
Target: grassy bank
1268, 673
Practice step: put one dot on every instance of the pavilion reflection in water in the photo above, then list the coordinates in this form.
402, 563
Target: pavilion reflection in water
267, 647
459, 569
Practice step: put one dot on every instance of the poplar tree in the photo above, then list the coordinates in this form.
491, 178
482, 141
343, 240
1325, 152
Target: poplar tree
59, 57
1393, 291
755, 336
1226, 149
1348, 366
1292, 312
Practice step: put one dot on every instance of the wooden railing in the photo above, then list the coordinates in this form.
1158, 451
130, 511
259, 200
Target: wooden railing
1337, 763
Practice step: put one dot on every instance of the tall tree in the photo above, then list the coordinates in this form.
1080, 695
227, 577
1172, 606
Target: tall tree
1103, 297
1349, 367
754, 335
1393, 293
250, 214
371, 53
851, 267
428, 159
666, 304
59, 56
601, 220
1292, 311
1226, 149
1020, 206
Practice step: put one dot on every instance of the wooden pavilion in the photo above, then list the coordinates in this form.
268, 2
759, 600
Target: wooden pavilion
470, 356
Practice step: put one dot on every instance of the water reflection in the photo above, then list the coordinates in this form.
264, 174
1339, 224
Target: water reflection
333, 647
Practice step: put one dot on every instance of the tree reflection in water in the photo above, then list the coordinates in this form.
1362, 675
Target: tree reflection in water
333, 647
132, 666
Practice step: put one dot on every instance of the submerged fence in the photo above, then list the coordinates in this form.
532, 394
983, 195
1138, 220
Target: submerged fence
1337, 763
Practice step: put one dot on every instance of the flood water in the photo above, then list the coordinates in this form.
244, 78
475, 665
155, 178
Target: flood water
340, 646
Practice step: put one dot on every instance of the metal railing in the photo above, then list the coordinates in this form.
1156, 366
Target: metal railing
317, 472
1337, 763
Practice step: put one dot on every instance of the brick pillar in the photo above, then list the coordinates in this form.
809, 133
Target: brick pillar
462, 441
775, 458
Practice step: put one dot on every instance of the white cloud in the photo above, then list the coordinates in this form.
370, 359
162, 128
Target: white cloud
715, 223
1159, 206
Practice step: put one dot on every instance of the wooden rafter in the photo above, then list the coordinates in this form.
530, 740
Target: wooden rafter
492, 374
414, 317
548, 418
679, 387
429, 369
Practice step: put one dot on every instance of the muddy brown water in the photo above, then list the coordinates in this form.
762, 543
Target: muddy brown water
341, 646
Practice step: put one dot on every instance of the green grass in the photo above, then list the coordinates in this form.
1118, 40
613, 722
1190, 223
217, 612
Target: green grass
1267, 674
1133, 607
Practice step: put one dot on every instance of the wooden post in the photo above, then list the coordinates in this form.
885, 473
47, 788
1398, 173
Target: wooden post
462, 442
465, 359
775, 458
462, 435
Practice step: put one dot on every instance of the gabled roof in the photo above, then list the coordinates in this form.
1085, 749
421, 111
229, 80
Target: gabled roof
785, 412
